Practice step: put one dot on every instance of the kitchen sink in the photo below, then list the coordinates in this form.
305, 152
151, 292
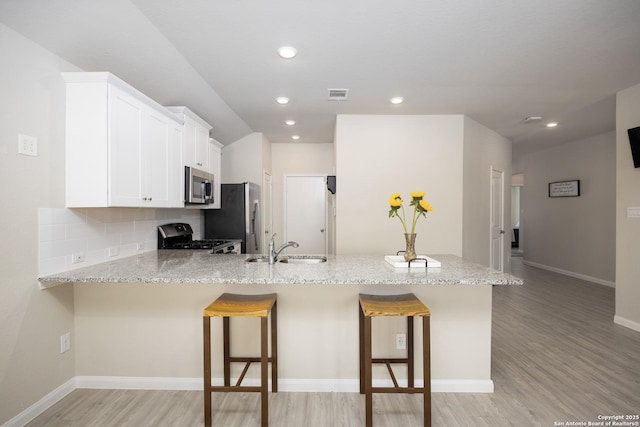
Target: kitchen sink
303, 259
293, 259
258, 259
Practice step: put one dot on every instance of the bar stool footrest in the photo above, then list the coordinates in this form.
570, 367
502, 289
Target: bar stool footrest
235, 389
407, 390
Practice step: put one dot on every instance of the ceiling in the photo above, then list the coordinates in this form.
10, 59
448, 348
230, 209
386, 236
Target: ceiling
495, 61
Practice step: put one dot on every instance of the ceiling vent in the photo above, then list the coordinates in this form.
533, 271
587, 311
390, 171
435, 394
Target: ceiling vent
532, 119
338, 94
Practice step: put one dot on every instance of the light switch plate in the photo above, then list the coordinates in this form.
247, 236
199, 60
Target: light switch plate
27, 145
633, 212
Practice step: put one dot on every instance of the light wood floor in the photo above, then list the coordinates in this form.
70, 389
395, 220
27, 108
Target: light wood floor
557, 358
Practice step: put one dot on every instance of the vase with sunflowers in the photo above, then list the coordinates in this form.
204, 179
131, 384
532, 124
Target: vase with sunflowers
420, 209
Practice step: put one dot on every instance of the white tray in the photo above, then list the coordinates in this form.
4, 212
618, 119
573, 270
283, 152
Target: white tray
398, 261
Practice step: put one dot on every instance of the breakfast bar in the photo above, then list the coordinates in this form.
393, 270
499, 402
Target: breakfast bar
159, 296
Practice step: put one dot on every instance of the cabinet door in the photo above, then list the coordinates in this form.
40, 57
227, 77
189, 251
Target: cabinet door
189, 142
214, 160
202, 148
156, 161
176, 166
125, 149
162, 162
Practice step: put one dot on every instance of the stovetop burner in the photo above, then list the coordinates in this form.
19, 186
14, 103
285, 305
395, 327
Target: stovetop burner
180, 236
197, 244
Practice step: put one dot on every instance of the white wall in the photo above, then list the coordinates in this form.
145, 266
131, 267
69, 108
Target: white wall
39, 232
245, 159
484, 150
572, 235
628, 229
377, 156
32, 320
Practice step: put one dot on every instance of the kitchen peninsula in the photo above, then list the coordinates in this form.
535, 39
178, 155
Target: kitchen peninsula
138, 319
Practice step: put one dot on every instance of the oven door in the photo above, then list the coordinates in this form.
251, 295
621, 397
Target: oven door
198, 188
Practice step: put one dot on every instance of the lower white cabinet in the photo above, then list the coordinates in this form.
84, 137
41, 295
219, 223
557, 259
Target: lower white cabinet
122, 148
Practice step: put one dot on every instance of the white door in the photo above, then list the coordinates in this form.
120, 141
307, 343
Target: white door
305, 213
497, 220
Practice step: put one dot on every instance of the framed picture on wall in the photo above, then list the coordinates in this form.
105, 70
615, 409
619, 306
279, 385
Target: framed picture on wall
564, 188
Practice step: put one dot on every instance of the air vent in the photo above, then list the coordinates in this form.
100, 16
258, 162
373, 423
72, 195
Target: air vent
338, 94
532, 119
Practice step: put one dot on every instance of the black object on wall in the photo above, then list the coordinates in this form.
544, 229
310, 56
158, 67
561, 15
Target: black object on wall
331, 183
634, 140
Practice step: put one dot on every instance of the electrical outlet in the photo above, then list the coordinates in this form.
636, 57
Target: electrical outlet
65, 342
113, 251
140, 247
27, 145
77, 257
401, 341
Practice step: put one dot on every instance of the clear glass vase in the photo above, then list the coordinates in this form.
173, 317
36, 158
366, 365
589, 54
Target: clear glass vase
410, 251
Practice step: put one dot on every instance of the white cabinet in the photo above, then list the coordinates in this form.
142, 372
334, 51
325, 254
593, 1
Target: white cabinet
199, 151
195, 145
122, 148
215, 152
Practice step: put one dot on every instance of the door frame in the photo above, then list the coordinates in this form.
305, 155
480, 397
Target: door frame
493, 170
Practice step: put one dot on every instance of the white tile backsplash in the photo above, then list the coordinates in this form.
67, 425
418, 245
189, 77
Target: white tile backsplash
65, 232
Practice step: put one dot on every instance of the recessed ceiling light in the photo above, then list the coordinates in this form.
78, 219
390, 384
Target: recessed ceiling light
296, 137
290, 122
287, 52
282, 100
397, 100
552, 124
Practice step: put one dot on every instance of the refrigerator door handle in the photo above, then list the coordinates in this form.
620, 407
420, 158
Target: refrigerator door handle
255, 223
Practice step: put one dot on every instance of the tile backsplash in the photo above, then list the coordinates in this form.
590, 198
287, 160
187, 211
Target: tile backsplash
75, 238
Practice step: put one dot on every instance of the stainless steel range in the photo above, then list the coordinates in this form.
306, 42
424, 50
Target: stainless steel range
179, 235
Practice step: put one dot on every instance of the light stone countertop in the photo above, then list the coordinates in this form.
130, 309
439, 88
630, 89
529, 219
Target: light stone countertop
199, 266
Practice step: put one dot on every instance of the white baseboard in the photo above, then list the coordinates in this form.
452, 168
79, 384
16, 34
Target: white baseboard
571, 274
618, 320
42, 405
290, 385
286, 385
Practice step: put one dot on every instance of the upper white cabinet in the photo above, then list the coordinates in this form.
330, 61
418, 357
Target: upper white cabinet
199, 151
122, 148
195, 141
215, 153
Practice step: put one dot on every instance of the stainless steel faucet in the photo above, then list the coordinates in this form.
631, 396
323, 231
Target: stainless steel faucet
273, 253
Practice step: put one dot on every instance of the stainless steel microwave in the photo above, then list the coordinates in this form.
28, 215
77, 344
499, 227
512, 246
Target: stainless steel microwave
198, 186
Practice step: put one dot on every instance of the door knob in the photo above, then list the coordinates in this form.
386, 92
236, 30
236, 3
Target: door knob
322, 230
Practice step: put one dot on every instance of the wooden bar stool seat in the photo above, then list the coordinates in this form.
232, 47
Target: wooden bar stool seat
408, 306
231, 305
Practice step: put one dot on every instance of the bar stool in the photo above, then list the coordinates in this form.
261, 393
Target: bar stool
394, 305
227, 306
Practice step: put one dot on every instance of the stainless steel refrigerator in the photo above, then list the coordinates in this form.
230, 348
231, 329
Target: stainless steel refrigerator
238, 216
